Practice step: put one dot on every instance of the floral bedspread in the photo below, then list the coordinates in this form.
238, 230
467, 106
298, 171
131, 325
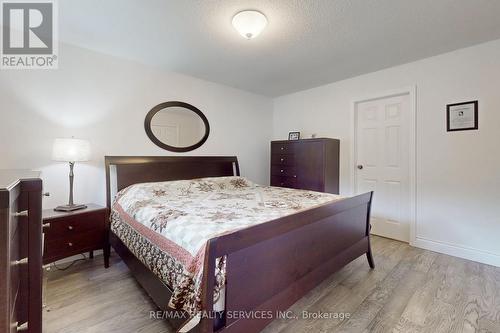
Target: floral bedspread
167, 225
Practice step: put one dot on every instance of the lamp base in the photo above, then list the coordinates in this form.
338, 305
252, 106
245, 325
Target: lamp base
69, 208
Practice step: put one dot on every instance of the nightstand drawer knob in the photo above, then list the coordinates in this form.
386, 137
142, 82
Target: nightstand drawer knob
70, 244
282, 159
70, 227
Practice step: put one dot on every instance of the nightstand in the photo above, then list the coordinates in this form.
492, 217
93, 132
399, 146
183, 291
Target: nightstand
71, 233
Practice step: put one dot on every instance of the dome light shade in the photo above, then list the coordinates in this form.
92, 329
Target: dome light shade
249, 23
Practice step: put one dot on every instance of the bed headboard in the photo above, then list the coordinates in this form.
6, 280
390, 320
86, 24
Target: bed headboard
123, 171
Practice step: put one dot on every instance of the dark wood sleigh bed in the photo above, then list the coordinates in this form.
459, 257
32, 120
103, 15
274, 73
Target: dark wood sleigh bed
268, 266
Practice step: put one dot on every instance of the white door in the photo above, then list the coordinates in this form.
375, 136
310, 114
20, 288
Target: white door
382, 163
168, 134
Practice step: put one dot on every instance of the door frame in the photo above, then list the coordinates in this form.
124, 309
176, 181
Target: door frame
411, 91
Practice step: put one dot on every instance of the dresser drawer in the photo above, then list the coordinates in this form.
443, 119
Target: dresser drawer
283, 159
278, 170
72, 244
282, 181
282, 148
16, 271
63, 228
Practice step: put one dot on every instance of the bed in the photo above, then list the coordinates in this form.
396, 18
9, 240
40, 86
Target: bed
253, 250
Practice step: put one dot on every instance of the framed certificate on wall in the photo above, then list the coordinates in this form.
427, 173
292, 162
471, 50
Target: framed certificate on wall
462, 116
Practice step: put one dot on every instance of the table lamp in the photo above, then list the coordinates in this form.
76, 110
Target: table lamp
70, 150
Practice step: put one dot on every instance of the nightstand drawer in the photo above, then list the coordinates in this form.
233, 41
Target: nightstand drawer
71, 233
73, 225
73, 244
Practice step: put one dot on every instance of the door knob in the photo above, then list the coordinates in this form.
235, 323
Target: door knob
360, 167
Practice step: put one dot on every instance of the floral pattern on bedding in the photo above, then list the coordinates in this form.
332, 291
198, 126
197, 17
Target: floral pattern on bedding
167, 225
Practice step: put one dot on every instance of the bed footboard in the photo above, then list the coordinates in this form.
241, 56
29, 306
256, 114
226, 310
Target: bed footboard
272, 265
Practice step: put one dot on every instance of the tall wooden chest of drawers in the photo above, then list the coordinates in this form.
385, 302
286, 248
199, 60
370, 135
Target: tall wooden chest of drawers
309, 164
20, 251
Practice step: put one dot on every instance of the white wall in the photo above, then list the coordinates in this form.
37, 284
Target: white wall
105, 99
458, 174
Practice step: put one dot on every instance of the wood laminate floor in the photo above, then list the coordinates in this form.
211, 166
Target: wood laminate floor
410, 290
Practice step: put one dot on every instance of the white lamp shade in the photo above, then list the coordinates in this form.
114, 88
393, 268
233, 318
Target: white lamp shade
249, 23
71, 150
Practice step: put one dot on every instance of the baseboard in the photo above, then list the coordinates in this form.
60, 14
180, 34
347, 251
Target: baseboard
458, 251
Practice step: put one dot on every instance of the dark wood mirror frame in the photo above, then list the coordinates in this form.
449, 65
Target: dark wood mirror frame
156, 141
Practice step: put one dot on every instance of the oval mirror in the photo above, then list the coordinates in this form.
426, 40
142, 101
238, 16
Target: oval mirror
177, 126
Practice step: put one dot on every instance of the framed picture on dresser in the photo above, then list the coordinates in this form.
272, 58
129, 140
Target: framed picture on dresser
293, 136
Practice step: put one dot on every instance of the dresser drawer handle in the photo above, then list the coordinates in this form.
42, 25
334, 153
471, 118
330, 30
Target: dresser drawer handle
24, 213
282, 148
281, 170
23, 261
70, 244
70, 227
21, 328
282, 159
294, 176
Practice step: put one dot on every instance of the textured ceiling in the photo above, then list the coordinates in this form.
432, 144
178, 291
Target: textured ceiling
307, 43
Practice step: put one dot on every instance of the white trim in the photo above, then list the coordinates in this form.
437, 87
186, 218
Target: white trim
452, 249
411, 91
456, 250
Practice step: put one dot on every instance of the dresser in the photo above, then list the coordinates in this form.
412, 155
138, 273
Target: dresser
20, 251
309, 164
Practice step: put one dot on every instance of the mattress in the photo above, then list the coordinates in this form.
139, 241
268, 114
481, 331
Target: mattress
166, 225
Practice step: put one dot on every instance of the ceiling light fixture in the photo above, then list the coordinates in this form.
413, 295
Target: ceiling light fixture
249, 23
